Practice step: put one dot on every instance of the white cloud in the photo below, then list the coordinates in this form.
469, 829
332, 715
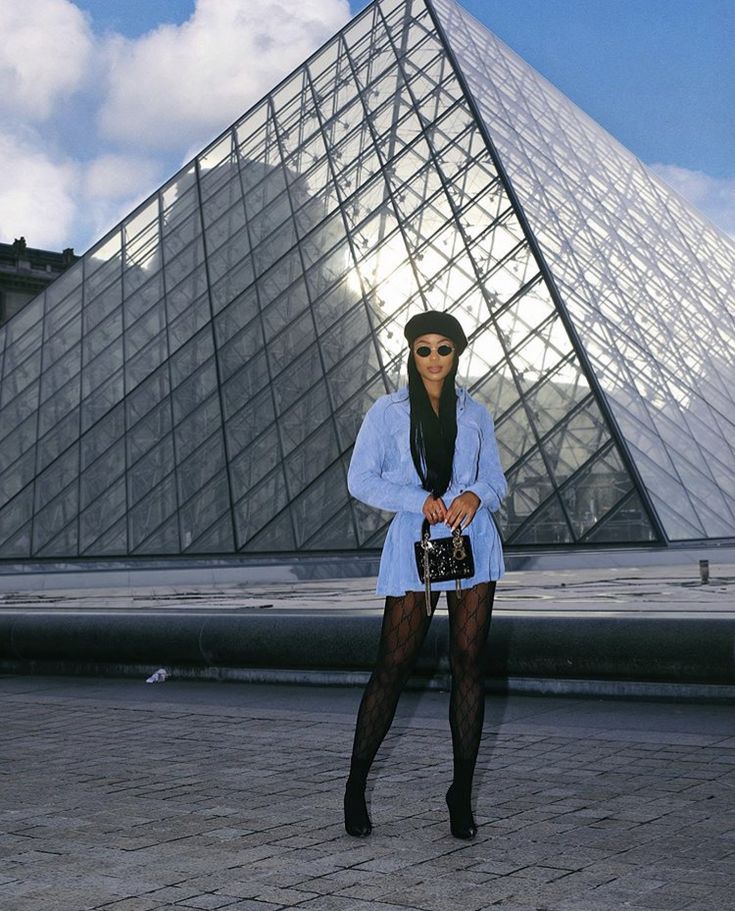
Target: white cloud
38, 197
52, 201
118, 113
714, 197
44, 53
113, 185
179, 85
116, 176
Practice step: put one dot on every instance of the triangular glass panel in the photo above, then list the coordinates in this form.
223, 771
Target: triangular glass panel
206, 365
272, 537
630, 258
164, 540
626, 524
547, 525
337, 534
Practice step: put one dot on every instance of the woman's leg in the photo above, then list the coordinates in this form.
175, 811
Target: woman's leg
469, 623
405, 623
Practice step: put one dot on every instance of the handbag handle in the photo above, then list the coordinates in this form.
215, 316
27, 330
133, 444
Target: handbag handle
426, 530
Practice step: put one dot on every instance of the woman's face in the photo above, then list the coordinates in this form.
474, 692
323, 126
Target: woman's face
435, 367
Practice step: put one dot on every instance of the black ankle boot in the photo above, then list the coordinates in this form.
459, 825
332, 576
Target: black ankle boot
357, 821
461, 820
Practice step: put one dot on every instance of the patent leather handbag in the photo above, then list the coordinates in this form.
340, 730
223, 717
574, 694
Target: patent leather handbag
443, 559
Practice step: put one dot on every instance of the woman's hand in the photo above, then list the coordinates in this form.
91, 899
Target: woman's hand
434, 509
462, 510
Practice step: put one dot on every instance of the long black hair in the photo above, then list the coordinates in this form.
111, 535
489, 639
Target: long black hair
432, 436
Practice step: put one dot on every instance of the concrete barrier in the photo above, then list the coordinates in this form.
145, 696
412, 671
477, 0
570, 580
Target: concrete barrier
670, 648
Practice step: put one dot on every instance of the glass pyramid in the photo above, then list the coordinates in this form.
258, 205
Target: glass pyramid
195, 383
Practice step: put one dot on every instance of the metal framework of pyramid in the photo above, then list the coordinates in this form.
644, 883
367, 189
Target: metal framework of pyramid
195, 383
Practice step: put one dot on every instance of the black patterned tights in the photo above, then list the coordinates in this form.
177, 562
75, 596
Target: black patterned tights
405, 623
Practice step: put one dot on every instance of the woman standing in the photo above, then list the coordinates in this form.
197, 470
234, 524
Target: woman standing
419, 449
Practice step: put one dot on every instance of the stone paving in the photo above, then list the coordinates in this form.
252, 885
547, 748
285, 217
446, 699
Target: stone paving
133, 797
647, 590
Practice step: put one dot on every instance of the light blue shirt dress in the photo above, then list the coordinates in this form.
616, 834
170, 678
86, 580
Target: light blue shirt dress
382, 474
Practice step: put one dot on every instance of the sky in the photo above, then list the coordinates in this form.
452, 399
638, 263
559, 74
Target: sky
102, 101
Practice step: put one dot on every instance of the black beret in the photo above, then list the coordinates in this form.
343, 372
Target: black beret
439, 322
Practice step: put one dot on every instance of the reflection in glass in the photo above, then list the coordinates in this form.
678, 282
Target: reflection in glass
635, 267
196, 383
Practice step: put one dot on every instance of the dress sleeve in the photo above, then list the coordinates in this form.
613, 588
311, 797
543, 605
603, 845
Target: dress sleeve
364, 476
490, 485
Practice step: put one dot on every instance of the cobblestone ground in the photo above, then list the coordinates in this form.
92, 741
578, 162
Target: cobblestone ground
123, 796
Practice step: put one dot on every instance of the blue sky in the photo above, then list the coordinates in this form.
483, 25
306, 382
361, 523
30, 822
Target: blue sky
659, 76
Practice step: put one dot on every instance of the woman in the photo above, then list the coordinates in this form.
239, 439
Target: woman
430, 438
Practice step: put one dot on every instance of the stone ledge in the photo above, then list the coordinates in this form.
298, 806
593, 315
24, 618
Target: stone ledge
664, 649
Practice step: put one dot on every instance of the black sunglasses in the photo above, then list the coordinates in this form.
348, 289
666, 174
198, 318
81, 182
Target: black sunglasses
442, 350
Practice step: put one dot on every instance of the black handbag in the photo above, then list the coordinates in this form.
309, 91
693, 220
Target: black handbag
442, 559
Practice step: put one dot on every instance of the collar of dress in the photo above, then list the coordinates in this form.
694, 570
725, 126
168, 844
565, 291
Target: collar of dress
401, 397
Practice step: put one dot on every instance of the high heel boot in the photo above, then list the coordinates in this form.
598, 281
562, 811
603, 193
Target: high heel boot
461, 821
357, 820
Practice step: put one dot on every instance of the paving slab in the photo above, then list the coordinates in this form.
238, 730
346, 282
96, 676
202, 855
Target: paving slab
646, 591
117, 794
